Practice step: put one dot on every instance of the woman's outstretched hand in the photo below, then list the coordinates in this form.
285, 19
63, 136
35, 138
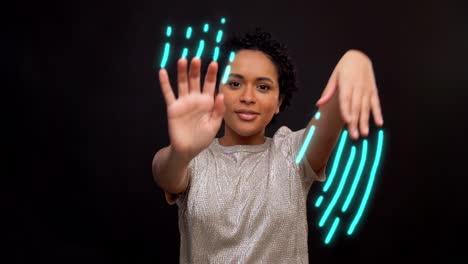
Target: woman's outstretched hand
353, 79
195, 116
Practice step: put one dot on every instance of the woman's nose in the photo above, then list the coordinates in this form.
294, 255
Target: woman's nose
248, 95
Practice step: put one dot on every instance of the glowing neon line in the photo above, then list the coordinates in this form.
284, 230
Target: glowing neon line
332, 230
231, 56
200, 48
165, 55
357, 177
317, 116
219, 36
365, 198
184, 53
226, 74
336, 161
168, 31
216, 53
302, 152
319, 201
188, 33
340, 187
223, 20
206, 27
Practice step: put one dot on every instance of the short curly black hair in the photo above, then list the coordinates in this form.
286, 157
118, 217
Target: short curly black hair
276, 51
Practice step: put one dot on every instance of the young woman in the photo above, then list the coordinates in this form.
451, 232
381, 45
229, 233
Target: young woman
242, 197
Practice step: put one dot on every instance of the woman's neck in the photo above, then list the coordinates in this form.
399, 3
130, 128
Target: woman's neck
231, 138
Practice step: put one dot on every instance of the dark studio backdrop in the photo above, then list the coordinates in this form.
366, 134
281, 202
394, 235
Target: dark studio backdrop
87, 116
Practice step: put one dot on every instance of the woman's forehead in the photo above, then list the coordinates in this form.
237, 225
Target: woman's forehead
253, 64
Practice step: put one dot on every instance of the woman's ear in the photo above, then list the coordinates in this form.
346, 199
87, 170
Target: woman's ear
280, 101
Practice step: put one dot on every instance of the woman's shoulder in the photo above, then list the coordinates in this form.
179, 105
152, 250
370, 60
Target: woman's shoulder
287, 141
282, 131
285, 132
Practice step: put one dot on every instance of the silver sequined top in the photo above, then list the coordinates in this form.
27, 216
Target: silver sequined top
247, 203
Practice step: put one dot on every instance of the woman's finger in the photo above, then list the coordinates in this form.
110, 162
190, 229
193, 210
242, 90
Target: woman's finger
166, 87
345, 92
376, 110
210, 79
182, 78
364, 115
194, 76
355, 110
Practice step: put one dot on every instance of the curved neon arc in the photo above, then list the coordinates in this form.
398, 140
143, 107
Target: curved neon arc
201, 46
188, 33
370, 183
219, 36
216, 53
319, 201
307, 140
357, 177
332, 230
336, 161
337, 194
165, 57
226, 74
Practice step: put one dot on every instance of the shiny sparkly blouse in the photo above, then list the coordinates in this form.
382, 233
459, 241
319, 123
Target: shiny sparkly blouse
247, 203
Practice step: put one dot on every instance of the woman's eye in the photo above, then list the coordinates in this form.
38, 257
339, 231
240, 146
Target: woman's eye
264, 87
234, 84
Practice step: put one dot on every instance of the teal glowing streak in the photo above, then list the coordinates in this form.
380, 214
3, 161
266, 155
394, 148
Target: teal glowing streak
216, 54
206, 27
337, 194
357, 177
223, 20
336, 162
226, 74
332, 230
219, 36
231, 56
184, 53
317, 116
303, 150
188, 33
168, 31
365, 198
201, 45
319, 201
167, 47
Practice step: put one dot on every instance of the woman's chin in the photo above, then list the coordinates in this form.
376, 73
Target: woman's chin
246, 133
246, 130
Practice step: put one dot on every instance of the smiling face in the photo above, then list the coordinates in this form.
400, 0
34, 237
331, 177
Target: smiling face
251, 97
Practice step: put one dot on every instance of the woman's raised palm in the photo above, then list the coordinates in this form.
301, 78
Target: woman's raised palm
194, 117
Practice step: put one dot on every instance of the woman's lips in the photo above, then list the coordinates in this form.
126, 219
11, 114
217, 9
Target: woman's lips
246, 116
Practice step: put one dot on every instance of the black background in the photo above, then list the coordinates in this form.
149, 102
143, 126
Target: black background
87, 116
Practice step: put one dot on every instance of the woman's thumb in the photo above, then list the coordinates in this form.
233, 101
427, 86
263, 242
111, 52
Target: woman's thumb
218, 109
328, 91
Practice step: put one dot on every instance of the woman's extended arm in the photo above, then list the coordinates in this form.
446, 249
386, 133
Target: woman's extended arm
349, 97
194, 118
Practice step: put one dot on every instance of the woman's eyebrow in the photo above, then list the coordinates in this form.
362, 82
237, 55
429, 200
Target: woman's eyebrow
236, 75
265, 79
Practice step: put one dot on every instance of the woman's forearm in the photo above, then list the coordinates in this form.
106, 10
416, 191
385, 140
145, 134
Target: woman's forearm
170, 170
327, 131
